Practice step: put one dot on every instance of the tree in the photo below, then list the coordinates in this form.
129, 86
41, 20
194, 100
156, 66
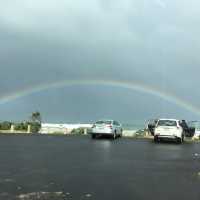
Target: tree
35, 127
36, 117
35, 122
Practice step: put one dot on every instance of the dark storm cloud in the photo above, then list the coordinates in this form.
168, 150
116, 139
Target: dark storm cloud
155, 42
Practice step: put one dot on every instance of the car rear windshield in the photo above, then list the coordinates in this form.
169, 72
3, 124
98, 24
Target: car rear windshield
167, 123
103, 122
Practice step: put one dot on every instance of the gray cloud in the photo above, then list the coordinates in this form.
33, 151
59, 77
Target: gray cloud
155, 42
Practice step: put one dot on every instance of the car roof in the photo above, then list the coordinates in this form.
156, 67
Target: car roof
106, 120
168, 119
110, 120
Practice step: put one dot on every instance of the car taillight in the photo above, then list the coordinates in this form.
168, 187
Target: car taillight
109, 126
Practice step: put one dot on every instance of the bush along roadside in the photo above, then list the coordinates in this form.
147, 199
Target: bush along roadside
5, 125
21, 127
80, 131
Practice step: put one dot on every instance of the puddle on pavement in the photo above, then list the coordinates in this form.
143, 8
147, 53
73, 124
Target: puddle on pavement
60, 195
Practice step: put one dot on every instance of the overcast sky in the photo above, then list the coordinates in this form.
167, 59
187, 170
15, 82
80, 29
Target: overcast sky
154, 42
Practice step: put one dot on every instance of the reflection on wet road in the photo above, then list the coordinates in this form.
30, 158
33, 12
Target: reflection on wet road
76, 167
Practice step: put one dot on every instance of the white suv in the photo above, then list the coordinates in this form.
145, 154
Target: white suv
169, 129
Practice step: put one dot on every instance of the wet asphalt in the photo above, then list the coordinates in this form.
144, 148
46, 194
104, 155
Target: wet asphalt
77, 167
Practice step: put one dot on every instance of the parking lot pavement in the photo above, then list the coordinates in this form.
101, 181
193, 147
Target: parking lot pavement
77, 167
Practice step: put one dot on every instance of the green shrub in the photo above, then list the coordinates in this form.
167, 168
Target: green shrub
21, 126
78, 131
5, 125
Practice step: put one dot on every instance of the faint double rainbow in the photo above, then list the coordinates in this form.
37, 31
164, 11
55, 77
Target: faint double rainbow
131, 85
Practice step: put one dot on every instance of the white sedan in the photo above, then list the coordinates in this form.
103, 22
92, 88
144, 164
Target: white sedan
106, 127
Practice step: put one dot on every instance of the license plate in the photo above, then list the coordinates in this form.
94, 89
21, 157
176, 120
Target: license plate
100, 127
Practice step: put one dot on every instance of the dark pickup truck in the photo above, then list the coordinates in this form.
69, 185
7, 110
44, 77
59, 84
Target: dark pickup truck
189, 131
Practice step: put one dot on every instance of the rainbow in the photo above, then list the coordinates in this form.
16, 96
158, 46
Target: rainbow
133, 85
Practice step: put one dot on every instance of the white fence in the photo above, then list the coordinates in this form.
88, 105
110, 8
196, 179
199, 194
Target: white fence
48, 128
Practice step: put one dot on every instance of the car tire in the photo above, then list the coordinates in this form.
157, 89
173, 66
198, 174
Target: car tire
183, 138
114, 135
179, 140
156, 140
93, 136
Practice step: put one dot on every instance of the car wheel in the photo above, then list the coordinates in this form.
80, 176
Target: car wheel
114, 135
93, 136
179, 140
183, 138
155, 139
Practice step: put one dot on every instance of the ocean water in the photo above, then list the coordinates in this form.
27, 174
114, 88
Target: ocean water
133, 126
